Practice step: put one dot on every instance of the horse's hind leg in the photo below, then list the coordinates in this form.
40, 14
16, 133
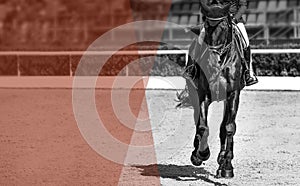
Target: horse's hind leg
227, 131
201, 152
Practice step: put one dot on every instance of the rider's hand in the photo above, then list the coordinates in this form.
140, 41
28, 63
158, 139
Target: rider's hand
234, 21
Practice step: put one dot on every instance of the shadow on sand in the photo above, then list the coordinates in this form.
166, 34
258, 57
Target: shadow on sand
179, 173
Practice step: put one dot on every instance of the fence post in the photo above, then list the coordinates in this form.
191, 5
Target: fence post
18, 65
70, 65
127, 70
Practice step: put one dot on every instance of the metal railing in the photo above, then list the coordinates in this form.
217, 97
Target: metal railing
19, 54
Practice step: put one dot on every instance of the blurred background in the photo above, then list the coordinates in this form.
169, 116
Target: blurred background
63, 25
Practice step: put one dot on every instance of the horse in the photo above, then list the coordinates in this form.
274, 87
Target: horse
217, 68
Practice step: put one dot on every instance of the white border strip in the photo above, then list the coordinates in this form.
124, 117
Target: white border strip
154, 82
274, 51
131, 52
67, 53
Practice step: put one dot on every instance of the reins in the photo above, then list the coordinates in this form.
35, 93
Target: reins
225, 47
230, 46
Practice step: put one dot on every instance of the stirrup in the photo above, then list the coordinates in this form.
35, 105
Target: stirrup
250, 80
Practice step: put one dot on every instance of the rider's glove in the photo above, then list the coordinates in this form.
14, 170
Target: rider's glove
234, 21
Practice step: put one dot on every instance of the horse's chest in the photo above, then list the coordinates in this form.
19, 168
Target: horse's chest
222, 79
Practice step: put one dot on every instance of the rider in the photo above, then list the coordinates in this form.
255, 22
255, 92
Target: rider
237, 9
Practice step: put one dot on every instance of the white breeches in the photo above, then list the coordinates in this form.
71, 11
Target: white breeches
241, 28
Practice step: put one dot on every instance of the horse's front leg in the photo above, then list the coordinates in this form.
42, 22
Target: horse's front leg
201, 152
227, 131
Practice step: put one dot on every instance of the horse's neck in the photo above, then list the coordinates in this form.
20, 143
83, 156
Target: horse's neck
234, 46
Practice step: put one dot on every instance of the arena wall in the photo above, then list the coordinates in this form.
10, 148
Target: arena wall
57, 69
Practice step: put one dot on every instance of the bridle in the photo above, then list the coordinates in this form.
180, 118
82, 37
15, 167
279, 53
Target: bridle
222, 48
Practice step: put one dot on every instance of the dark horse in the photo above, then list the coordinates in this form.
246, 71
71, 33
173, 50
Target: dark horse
217, 70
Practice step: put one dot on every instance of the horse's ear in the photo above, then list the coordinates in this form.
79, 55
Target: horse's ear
205, 8
225, 9
215, 10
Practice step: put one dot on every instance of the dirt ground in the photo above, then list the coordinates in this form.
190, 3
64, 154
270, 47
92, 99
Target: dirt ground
41, 144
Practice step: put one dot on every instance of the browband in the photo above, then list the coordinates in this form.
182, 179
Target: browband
216, 19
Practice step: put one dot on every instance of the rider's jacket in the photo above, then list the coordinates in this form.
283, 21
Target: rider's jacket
237, 8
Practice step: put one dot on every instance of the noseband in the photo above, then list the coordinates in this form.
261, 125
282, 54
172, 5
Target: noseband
218, 19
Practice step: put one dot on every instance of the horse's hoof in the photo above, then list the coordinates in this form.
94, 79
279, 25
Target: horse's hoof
196, 161
205, 154
227, 173
224, 174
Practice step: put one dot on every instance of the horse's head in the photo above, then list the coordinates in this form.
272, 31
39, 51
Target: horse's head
217, 27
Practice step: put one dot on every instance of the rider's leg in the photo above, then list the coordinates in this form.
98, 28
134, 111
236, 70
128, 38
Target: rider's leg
188, 73
249, 74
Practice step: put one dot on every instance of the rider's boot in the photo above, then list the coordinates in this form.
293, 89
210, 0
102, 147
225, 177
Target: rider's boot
250, 77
